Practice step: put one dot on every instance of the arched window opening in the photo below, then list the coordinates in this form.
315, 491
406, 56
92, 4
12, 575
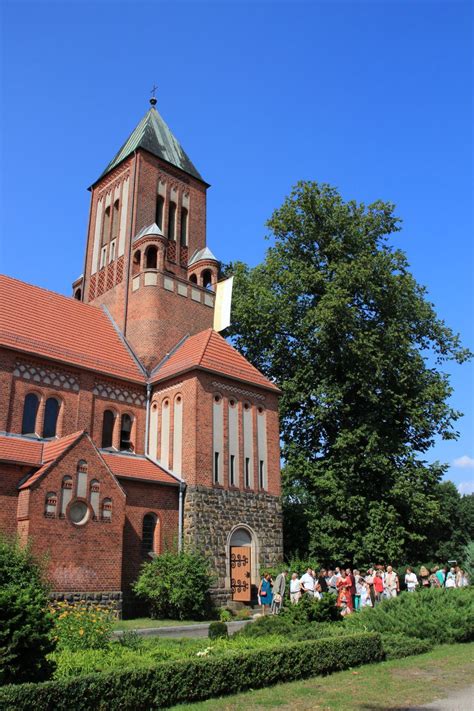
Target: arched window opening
193, 279
94, 497
51, 412
106, 226
112, 251
184, 227
125, 433
78, 294
66, 493
115, 219
51, 502
107, 510
30, 410
149, 534
151, 257
241, 537
81, 479
172, 221
160, 205
206, 278
137, 257
108, 422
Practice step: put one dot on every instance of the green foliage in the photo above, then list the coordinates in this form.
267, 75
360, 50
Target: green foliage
176, 585
171, 683
334, 315
267, 625
82, 627
397, 646
225, 615
25, 620
439, 615
244, 614
131, 640
217, 630
310, 609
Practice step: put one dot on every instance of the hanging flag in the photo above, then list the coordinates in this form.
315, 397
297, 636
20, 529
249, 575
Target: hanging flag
223, 304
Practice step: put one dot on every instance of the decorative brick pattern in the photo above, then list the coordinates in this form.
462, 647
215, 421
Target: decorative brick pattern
46, 376
113, 392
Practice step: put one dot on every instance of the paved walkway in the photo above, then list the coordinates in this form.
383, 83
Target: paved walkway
199, 630
462, 700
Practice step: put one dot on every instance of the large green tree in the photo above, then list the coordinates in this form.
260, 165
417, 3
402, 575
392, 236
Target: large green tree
334, 315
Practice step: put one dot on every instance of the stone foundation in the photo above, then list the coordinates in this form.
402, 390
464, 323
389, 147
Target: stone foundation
210, 516
105, 600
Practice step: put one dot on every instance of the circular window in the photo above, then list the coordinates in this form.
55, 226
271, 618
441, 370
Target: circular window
79, 513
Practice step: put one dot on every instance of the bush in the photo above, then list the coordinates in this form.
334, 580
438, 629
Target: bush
225, 615
171, 683
82, 627
218, 630
436, 614
130, 639
268, 624
244, 614
396, 646
25, 620
176, 585
309, 609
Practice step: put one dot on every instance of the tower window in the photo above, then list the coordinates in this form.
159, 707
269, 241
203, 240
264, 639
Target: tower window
184, 227
193, 279
30, 410
206, 278
216, 467
125, 433
78, 295
261, 474
172, 221
103, 257
106, 226
151, 257
51, 412
247, 472
232, 470
160, 206
148, 533
108, 429
137, 257
115, 220
112, 251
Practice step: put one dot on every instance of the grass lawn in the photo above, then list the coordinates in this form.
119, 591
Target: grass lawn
396, 684
147, 622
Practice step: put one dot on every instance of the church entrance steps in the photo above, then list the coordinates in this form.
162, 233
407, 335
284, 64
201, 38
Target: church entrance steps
199, 630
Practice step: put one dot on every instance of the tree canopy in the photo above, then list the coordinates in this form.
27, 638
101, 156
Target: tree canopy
335, 317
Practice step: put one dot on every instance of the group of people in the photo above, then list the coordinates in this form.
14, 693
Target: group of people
354, 590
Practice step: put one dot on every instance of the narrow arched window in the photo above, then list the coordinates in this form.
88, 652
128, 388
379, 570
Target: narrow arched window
51, 412
206, 278
193, 279
107, 510
151, 256
136, 262
81, 481
108, 421
66, 493
160, 205
78, 294
149, 533
172, 221
30, 410
106, 226
115, 219
51, 502
94, 496
184, 227
125, 432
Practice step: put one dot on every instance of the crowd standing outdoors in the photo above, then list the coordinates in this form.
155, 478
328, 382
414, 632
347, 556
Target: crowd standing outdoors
354, 590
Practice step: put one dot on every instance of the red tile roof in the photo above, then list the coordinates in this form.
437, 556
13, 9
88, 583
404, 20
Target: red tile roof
207, 350
19, 450
38, 321
51, 451
128, 466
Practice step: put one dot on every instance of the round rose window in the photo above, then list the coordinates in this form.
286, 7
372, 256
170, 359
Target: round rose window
78, 513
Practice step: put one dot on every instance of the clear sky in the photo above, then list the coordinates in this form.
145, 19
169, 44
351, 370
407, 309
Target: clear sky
373, 97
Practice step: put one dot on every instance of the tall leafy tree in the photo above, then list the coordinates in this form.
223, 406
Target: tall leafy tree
334, 316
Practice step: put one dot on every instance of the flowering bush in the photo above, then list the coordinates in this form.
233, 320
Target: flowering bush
81, 627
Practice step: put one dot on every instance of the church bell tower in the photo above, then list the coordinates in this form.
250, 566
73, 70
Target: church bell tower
146, 256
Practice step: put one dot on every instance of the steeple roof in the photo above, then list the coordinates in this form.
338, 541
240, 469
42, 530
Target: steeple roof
153, 135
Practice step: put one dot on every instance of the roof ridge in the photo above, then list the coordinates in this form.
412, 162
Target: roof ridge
169, 354
211, 331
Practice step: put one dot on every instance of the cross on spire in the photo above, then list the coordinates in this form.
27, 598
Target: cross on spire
153, 97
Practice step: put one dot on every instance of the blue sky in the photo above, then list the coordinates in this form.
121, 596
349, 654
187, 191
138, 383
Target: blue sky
373, 97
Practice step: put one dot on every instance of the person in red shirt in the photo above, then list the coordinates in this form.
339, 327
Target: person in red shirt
378, 586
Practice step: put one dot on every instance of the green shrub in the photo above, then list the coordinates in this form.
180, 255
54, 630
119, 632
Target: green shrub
440, 615
396, 646
267, 624
244, 614
225, 615
171, 683
25, 620
82, 627
176, 585
217, 630
130, 639
309, 609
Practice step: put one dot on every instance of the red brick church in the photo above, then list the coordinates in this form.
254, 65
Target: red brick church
127, 424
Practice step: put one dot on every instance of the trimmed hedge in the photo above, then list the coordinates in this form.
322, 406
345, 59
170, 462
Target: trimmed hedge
397, 646
171, 683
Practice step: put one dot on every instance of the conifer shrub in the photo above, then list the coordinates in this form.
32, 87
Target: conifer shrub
218, 630
440, 615
25, 620
176, 586
397, 646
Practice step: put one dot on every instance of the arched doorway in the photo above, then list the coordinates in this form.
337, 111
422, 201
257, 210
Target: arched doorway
242, 562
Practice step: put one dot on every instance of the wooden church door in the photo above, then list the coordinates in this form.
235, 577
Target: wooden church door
240, 566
